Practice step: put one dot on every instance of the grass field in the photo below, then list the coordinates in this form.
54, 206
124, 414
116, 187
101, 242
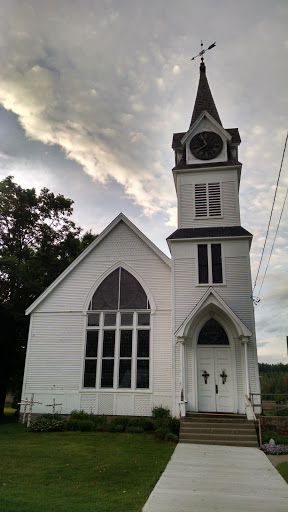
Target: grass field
78, 471
283, 470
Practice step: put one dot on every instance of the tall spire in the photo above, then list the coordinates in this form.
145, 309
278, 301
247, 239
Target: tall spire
204, 99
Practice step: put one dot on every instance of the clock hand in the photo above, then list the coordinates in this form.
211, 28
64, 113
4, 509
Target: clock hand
205, 143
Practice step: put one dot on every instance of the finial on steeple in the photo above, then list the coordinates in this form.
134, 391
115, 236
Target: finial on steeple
204, 99
201, 53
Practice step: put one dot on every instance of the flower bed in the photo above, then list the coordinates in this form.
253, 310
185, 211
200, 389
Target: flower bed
275, 449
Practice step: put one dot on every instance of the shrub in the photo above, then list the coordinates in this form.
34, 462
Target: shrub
73, 424
134, 430
82, 425
160, 412
47, 423
269, 434
162, 432
174, 425
80, 415
118, 424
171, 437
87, 426
101, 424
142, 422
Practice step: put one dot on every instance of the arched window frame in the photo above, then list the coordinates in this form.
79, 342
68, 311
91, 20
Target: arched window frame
116, 325
220, 328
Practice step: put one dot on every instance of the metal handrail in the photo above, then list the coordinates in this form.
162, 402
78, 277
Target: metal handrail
255, 420
251, 408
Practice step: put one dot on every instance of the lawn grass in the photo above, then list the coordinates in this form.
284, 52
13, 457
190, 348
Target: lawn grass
283, 470
78, 471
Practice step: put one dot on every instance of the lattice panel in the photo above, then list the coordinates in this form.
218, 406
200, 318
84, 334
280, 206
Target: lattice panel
88, 403
105, 404
124, 404
142, 405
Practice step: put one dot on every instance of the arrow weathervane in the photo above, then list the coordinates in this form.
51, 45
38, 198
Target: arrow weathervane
200, 54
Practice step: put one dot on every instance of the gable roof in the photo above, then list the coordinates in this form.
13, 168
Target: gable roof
210, 232
212, 298
120, 218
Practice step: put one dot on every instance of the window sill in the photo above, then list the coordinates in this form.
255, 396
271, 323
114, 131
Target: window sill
209, 285
127, 390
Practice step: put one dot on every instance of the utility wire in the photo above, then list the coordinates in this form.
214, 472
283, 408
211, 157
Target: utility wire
271, 212
273, 241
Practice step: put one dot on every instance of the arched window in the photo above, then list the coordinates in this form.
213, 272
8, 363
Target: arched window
118, 334
212, 333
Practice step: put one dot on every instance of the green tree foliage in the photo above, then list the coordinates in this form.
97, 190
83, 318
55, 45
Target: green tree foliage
274, 379
38, 240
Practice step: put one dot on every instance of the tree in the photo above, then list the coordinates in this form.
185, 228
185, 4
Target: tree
38, 240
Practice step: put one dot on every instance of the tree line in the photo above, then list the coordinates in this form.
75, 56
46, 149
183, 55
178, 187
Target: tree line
274, 379
38, 240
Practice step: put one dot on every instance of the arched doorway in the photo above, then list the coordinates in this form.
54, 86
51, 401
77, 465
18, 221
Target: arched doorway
214, 369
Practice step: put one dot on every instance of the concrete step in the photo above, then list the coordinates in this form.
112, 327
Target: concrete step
217, 435
248, 444
217, 424
229, 418
223, 429
216, 430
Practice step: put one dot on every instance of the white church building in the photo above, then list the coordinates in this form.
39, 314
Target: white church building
125, 328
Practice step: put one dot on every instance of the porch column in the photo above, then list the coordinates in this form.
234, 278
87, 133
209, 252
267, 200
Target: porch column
181, 340
245, 340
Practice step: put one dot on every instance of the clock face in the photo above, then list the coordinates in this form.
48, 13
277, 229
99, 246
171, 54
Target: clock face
206, 145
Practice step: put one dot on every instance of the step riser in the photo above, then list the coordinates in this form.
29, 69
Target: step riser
221, 443
217, 438
213, 420
218, 430
222, 424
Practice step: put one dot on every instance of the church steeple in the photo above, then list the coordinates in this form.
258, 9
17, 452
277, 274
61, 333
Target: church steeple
204, 99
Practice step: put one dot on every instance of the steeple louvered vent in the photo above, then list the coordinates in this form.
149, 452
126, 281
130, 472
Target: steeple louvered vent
207, 200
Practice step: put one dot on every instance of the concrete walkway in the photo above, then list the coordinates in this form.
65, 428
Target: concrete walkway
218, 479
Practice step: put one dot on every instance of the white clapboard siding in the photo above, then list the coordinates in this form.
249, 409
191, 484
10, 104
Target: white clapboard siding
162, 352
121, 244
230, 207
185, 294
236, 291
55, 352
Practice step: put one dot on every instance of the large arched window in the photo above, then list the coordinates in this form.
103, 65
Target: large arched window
212, 333
118, 334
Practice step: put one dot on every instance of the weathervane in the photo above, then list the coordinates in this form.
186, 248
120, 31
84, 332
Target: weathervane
200, 54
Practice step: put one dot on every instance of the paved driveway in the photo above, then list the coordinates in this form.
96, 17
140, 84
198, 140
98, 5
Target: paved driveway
218, 479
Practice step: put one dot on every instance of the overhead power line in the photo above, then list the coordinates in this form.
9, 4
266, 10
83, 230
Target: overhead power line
273, 241
272, 208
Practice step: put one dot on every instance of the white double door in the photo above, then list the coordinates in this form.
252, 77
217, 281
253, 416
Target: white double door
215, 379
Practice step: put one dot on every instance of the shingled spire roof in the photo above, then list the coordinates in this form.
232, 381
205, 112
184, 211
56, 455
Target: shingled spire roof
204, 99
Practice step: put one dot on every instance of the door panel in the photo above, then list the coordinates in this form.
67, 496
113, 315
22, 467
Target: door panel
216, 361
206, 391
225, 396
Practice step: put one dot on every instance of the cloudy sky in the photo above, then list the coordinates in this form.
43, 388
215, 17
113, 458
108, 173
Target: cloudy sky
91, 92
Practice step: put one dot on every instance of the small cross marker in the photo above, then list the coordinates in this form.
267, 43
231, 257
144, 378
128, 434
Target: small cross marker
53, 406
26, 403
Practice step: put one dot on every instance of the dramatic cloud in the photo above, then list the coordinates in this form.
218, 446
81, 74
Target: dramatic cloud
93, 91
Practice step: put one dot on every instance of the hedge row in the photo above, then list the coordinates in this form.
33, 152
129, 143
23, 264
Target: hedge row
162, 424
